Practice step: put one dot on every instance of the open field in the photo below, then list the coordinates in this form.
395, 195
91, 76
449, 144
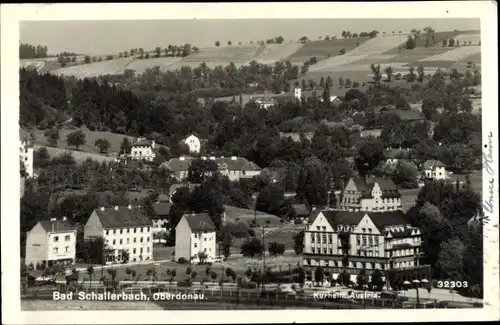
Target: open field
473, 38
210, 64
439, 37
323, 49
277, 52
80, 156
247, 215
234, 54
140, 65
90, 137
95, 69
372, 47
455, 54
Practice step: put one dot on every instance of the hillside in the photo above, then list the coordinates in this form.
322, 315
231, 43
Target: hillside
324, 49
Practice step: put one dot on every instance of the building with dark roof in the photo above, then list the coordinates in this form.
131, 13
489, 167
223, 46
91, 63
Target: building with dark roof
434, 170
195, 239
298, 213
360, 240
143, 149
371, 194
127, 232
233, 167
51, 241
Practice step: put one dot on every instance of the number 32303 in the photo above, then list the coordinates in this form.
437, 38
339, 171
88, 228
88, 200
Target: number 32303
452, 284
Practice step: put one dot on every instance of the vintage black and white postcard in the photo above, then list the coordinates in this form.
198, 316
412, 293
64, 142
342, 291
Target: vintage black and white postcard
206, 162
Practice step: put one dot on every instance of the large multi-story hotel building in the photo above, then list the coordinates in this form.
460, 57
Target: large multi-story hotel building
366, 233
374, 194
123, 229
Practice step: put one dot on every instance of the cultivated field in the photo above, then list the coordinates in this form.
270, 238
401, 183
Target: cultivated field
473, 38
90, 137
373, 47
277, 52
236, 54
140, 65
455, 54
95, 69
323, 49
438, 36
210, 64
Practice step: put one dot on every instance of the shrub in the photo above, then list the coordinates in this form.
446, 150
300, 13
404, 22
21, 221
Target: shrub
182, 260
185, 283
248, 285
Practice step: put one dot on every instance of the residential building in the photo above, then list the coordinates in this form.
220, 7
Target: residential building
296, 137
435, 170
299, 213
123, 229
143, 149
51, 241
352, 241
26, 156
194, 143
161, 211
371, 194
393, 156
195, 233
234, 168
265, 103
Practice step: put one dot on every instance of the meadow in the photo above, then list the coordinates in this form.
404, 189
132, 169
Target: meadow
277, 52
237, 54
95, 69
438, 36
79, 156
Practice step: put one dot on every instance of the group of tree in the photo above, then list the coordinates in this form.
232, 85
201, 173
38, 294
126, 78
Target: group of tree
347, 34
28, 51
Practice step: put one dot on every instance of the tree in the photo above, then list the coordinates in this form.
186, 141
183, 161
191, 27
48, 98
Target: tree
229, 43
450, 258
406, 174
158, 51
227, 243
251, 248
451, 42
90, 272
202, 257
76, 139
377, 281
102, 144
304, 39
271, 199
217, 43
369, 155
125, 146
87, 59
389, 72
298, 240
411, 43
52, 136
311, 184
361, 279
199, 170
276, 248
319, 275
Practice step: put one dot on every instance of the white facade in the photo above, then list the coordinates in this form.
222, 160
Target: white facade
50, 245
437, 173
26, 156
297, 93
143, 150
189, 243
193, 143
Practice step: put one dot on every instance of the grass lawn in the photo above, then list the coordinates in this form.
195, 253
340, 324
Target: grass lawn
114, 139
408, 198
80, 156
247, 215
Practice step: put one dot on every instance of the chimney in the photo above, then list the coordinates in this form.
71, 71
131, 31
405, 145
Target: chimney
116, 207
102, 208
233, 158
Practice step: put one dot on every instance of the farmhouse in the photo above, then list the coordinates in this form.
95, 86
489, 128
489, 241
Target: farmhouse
51, 241
26, 156
125, 230
194, 144
353, 241
143, 149
194, 237
234, 168
373, 194
434, 170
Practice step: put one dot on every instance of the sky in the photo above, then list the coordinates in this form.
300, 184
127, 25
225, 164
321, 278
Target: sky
112, 36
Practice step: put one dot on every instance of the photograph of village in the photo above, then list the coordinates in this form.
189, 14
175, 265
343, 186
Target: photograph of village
256, 164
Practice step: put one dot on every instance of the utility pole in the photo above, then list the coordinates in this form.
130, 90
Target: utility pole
263, 259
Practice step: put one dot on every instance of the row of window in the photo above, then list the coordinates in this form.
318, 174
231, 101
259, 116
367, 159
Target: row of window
196, 246
134, 251
127, 230
367, 240
56, 249
141, 240
66, 238
364, 265
205, 239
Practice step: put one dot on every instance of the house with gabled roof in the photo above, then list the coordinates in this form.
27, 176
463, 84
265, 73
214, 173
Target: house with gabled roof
143, 149
51, 242
362, 240
195, 234
434, 170
233, 167
370, 194
124, 229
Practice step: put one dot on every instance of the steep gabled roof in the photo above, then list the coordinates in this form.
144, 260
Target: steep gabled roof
389, 189
353, 218
57, 226
431, 164
223, 163
199, 222
162, 208
122, 217
141, 142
